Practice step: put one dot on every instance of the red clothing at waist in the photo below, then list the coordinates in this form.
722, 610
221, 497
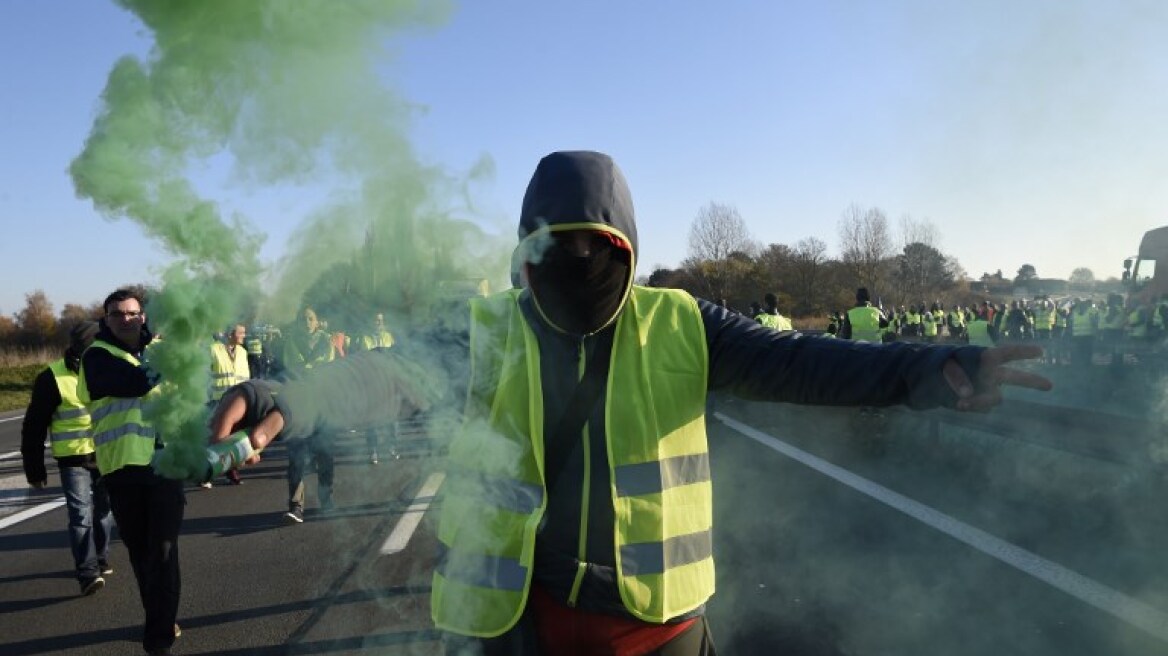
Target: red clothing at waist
569, 631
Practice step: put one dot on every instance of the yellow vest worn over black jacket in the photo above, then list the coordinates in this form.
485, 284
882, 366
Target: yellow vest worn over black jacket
658, 467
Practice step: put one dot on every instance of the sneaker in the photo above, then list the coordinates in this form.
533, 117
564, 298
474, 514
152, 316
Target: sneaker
206, 485
177, 630
373, 458
92, 585
295, 515
106, 569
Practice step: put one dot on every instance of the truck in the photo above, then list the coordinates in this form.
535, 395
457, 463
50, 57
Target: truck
1145, 276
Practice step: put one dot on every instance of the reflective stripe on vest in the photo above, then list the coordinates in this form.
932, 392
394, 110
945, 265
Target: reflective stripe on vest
865, 321
659, 468
121, 436
69, 430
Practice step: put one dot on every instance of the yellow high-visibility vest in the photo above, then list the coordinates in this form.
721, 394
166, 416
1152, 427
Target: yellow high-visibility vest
227, 370
121, 435
658, 465
382, 339
978, 332
69, 430
865, 321
1083, 324
255, 345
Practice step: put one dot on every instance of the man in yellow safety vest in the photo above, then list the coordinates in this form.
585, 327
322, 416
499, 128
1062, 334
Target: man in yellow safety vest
55, 410
148, 508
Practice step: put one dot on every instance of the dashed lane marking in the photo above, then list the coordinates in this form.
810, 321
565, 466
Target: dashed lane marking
1108, 600
29, 513
10, 419
412, 517
15, 495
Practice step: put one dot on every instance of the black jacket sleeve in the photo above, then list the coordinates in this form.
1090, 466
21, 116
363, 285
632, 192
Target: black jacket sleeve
37, 419
764, 365
108, 375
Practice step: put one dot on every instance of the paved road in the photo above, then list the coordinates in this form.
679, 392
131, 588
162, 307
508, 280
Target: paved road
958, 545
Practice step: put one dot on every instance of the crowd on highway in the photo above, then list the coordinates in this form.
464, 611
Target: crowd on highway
1071, 331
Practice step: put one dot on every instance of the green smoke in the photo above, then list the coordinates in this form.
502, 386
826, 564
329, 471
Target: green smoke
289, 93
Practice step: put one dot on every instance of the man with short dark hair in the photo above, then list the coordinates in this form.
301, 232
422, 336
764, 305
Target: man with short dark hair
148, 508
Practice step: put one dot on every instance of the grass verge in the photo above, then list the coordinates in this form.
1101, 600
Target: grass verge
16, 385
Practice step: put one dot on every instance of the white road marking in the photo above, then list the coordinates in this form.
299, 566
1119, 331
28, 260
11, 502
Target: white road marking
15, 495
29, 513
1108, 600
11, 419
10, 454
412, 517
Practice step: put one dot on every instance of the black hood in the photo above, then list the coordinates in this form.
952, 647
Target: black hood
570, 188
572, 191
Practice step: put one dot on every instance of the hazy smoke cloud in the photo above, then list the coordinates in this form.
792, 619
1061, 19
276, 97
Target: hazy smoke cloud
289, 93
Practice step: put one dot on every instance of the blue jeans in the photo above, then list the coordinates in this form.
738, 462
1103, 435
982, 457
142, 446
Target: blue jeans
90, 521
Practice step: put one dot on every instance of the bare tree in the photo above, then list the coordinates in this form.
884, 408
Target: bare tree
924, 232
720, 250
866, 245
717, 231
807, 276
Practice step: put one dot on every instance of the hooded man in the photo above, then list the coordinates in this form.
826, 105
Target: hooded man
56, 411
588, 525
577, 514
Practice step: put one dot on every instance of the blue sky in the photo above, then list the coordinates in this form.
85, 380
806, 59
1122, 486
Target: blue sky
1028, 132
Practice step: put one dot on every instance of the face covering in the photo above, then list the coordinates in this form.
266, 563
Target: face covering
580, 294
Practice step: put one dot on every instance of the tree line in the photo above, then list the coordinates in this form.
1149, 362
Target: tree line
725, 264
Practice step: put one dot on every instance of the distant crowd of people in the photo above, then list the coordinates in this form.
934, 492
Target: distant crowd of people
1078, 328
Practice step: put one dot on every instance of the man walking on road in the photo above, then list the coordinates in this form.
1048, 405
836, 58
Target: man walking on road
55, 410
148, 508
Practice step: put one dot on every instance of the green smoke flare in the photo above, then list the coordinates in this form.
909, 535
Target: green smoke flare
290, 93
